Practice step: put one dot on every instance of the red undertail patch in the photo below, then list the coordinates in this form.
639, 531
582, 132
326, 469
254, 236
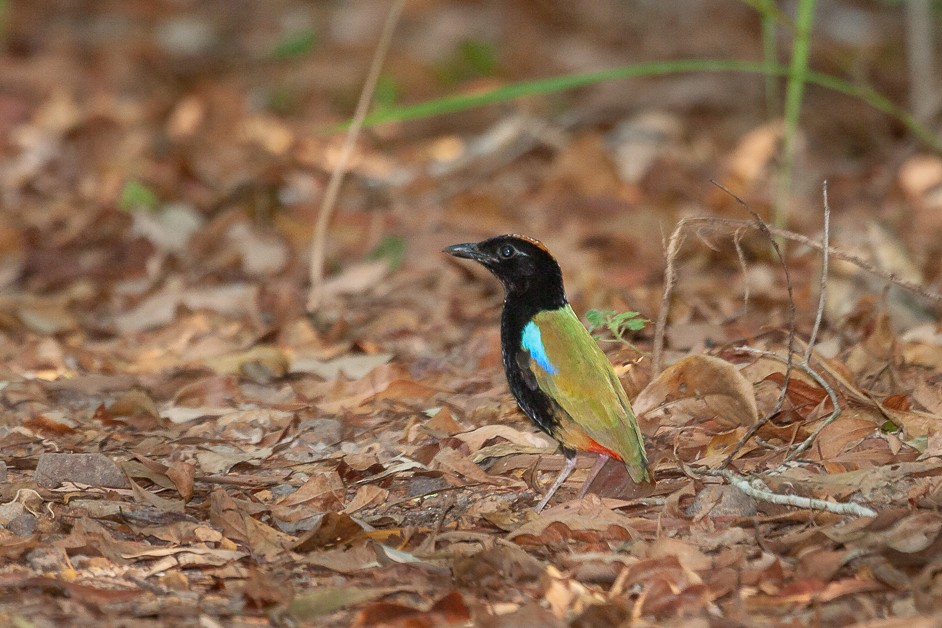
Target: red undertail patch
595, 448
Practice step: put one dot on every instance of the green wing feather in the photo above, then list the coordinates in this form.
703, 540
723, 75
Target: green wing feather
587, 390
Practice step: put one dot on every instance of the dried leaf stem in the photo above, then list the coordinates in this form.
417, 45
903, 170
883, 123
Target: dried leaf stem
319, 239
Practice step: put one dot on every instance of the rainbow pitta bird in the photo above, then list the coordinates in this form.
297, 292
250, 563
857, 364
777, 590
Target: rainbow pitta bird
557, 373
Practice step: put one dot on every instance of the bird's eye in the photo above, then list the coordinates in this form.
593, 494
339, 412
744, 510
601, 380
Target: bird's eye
507, 251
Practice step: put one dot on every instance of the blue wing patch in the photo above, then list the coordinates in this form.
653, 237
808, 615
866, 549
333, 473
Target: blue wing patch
533, 343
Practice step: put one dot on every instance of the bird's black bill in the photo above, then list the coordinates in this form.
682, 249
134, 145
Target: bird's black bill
468, 250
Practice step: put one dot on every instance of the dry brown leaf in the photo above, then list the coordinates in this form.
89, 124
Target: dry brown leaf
573, 517
449, 610
352, 365
324, 491
366, 496
697, 388
135, 402
182, 474
475, 439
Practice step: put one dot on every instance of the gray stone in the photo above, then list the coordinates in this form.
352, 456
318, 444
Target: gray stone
92, 469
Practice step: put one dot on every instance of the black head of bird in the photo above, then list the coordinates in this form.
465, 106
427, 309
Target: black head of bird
557, 373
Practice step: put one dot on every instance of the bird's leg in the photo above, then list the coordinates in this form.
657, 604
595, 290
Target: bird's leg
563, 474
599, 463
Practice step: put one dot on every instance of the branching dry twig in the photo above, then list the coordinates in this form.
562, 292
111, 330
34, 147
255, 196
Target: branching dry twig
319, 240
817, 377
754, 429
676, 240
758, 489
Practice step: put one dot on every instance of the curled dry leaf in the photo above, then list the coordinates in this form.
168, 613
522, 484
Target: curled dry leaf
573, 518
182, 474
324, 491
352, 365
697, 388
476, 438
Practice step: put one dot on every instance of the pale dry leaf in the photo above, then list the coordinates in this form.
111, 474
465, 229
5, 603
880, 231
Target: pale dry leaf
184, 414
323, 491
475, 439
453, 461
367, 495
697, 388
353, 365
575, 517
752, 156
221, 458
262, 255
356, 279
170, 228
182, 474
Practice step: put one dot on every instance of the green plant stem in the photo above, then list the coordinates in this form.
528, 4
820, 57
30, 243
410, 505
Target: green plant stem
794, 92
555, 84
770, 20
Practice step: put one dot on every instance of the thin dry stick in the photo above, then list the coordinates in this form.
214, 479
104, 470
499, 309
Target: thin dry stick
823, 284
790, 342
319, 240
741, 257
754, 429
670, 278
817, 377
758, 489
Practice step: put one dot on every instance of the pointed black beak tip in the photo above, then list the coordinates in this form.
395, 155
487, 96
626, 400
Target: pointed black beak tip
468, 250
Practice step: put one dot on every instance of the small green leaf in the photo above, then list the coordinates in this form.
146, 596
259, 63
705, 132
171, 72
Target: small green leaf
597, 318
295, 44
326, 600
480, 56
889, 426
618, 323
135, 196
386, 93
392, 249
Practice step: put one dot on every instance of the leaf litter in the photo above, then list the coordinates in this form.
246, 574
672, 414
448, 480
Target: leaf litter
183, 442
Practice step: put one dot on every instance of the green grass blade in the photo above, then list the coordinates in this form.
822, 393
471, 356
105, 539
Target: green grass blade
555, 84
794, 92
770, 19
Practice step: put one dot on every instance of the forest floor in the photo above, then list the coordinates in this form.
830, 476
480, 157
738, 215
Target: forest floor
183, 443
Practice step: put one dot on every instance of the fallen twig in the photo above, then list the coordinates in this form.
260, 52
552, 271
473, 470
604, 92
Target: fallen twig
319, 240
823, 284
817, 377
676, 240
754, 429
758, 489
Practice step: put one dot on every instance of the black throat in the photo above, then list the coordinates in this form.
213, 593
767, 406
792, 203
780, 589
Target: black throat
523, 301
520, 306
